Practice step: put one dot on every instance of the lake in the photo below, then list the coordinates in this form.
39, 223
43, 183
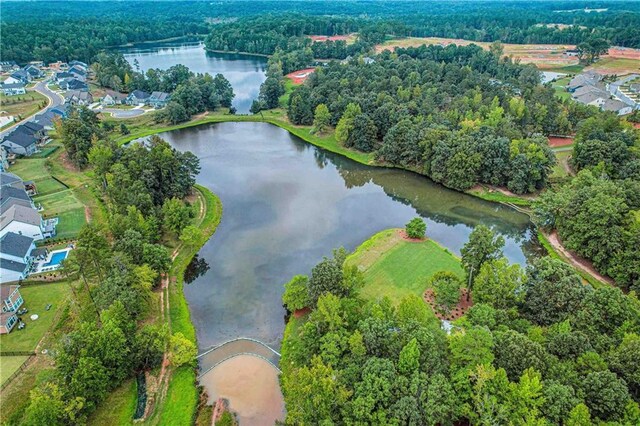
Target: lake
245, 72
288, 203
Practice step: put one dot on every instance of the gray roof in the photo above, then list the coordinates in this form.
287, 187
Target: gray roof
613, 105
12, 265
20, 213
21, 138
73, 84
84, 96
587, 89
8, 179
6, 290
15, 244
33, 126
591, 96
116, 95
139, 94
13, 202
159, 96
13, 86
11, 192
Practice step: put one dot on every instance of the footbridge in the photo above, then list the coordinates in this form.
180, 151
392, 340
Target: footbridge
216, 355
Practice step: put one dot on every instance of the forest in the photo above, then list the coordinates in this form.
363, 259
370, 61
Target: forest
79, 30
538, 347
459, 115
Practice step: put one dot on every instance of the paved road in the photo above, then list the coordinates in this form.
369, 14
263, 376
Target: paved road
124, 113
54, 101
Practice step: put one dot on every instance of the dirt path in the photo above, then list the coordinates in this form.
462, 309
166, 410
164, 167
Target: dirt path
575, 260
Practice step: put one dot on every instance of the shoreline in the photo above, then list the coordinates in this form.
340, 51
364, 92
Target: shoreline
516, 203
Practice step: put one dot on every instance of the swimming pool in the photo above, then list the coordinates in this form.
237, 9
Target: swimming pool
56, 258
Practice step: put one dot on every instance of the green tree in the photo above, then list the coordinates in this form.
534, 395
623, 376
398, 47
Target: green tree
328, 277
498, 284
441, 406
515, 353
579, 416
124, 130
416, 228
175, 215
296, 293
149, 345
446, 288
346, 123
363, 134
191, 236
624, 361
181, 350
483, 246
605, 394
559, 401
553, 291
157, 257
321, 119
409, 360
46, 406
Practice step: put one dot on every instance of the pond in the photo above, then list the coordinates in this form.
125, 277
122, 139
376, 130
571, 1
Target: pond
287, 204
245, 72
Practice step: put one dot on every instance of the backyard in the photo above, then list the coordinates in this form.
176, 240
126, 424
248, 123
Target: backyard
395, 267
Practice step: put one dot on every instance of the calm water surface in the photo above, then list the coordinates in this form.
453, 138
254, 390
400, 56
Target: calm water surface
245, 72
287, 204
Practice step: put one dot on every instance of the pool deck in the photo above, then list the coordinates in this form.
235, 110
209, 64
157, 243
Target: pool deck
40, 266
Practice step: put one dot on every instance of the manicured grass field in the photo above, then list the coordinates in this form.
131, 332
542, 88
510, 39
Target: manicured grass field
396, 268
559, 170
30, 168
118, 408
9, 364
70, 223
36, 297
48, 185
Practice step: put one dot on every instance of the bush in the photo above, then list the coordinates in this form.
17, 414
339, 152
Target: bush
416, 228
446, 288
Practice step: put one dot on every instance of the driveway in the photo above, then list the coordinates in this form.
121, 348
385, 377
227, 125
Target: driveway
124, 113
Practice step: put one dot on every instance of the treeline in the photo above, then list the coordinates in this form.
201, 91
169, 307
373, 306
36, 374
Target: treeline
459, 115
190, 93
118, 264
289, 35
597, 214
537, 347
79, 30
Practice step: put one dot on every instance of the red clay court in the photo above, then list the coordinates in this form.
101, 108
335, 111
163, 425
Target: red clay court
558, 141
298, 77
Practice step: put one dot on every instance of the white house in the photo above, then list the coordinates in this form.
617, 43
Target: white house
15, 260
22, 220
12, 80
12, 89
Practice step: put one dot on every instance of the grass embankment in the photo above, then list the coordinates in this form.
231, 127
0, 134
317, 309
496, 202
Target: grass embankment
395, 267
9, 365
118, 408
181, 400
23, 106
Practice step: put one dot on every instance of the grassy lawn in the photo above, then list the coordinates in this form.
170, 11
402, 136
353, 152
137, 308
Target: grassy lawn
182, 398
617, 66
10, 364
30, 168
36, 297
118, 408
396, 268
48, 185
15, 397
70, 223
559, 170
560, 87
23, 105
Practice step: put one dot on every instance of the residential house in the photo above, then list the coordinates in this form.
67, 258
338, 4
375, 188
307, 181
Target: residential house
73, 84
47, 118
25, 221
159, 99
137, 97
20, 143
20, 76
4, 159
11, 195
78, 63
61, 76
593, 98
13, 89
113, 98
617, 106
8, 66
583, 90
77, 97
8, 320
634, 87
58, 66
15, 263
10, 180
78, 72
12, 80
585, 79
10, 298
34, 71
33, 128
